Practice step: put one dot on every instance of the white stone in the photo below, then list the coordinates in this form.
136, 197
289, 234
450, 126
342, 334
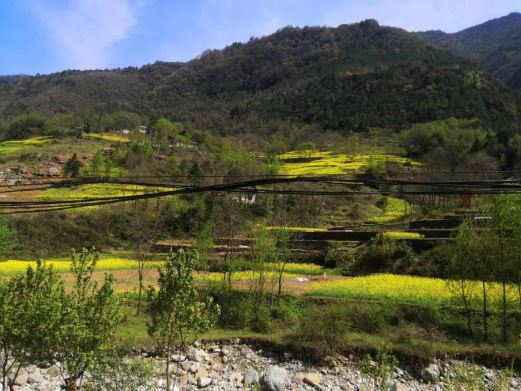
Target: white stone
276, 378
53, 371
35, 377
251, 376
203, 382
178, 358
431, 373
399, 387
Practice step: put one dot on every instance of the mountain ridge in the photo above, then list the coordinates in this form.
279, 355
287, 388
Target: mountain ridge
351, 77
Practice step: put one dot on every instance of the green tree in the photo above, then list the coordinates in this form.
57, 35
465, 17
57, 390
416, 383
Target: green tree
97, 165
72, 166
88, 320
7, 237
282, 256
165, 132
461, 271
178, 311
203, 244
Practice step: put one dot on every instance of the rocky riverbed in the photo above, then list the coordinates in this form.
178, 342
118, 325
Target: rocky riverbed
239, 366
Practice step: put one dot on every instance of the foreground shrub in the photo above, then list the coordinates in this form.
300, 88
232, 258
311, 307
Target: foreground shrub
111, 372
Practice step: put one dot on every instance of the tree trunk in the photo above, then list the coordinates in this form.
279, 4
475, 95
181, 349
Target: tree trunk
70, 384
467, 308
140, 288
167, 369
485, 314
504, 314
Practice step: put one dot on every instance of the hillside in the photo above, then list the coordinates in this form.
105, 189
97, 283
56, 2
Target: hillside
350, 77
496, 44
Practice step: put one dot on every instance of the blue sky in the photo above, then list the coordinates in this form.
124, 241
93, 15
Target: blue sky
43, 36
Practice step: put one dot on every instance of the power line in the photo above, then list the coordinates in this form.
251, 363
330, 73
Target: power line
446, 188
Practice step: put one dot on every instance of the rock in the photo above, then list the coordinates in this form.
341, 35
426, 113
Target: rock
201, 372
35, 377
178, 358
183, 380
276, 378
431, 373
251, 376
193, 368
399, 387
203, 382
197, 355
21, 379
53, 371
313, 379
237, 378
225, 359
225, 352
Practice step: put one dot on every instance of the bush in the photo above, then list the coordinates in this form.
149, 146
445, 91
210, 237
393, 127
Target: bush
380, 255
323, 329
339, 255
368, 318
426, 317
114, 373
262, 322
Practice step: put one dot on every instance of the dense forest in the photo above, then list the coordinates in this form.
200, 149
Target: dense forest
496, 44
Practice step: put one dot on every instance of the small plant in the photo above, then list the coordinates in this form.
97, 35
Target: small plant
466, 380
381, 369
503, 380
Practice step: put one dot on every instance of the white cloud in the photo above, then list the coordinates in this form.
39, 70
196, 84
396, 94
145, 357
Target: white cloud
87, 30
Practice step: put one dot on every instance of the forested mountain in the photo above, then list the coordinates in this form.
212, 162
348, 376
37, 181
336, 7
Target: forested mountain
496, 44
348, 78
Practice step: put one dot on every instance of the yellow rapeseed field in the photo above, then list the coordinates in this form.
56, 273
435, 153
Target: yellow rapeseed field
111, 138
96, 190
23, 146
396, 288
63, 265
402, 235
395, 209
332, 163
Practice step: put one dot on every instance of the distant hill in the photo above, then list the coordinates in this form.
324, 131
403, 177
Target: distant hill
496, 44
347, 78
